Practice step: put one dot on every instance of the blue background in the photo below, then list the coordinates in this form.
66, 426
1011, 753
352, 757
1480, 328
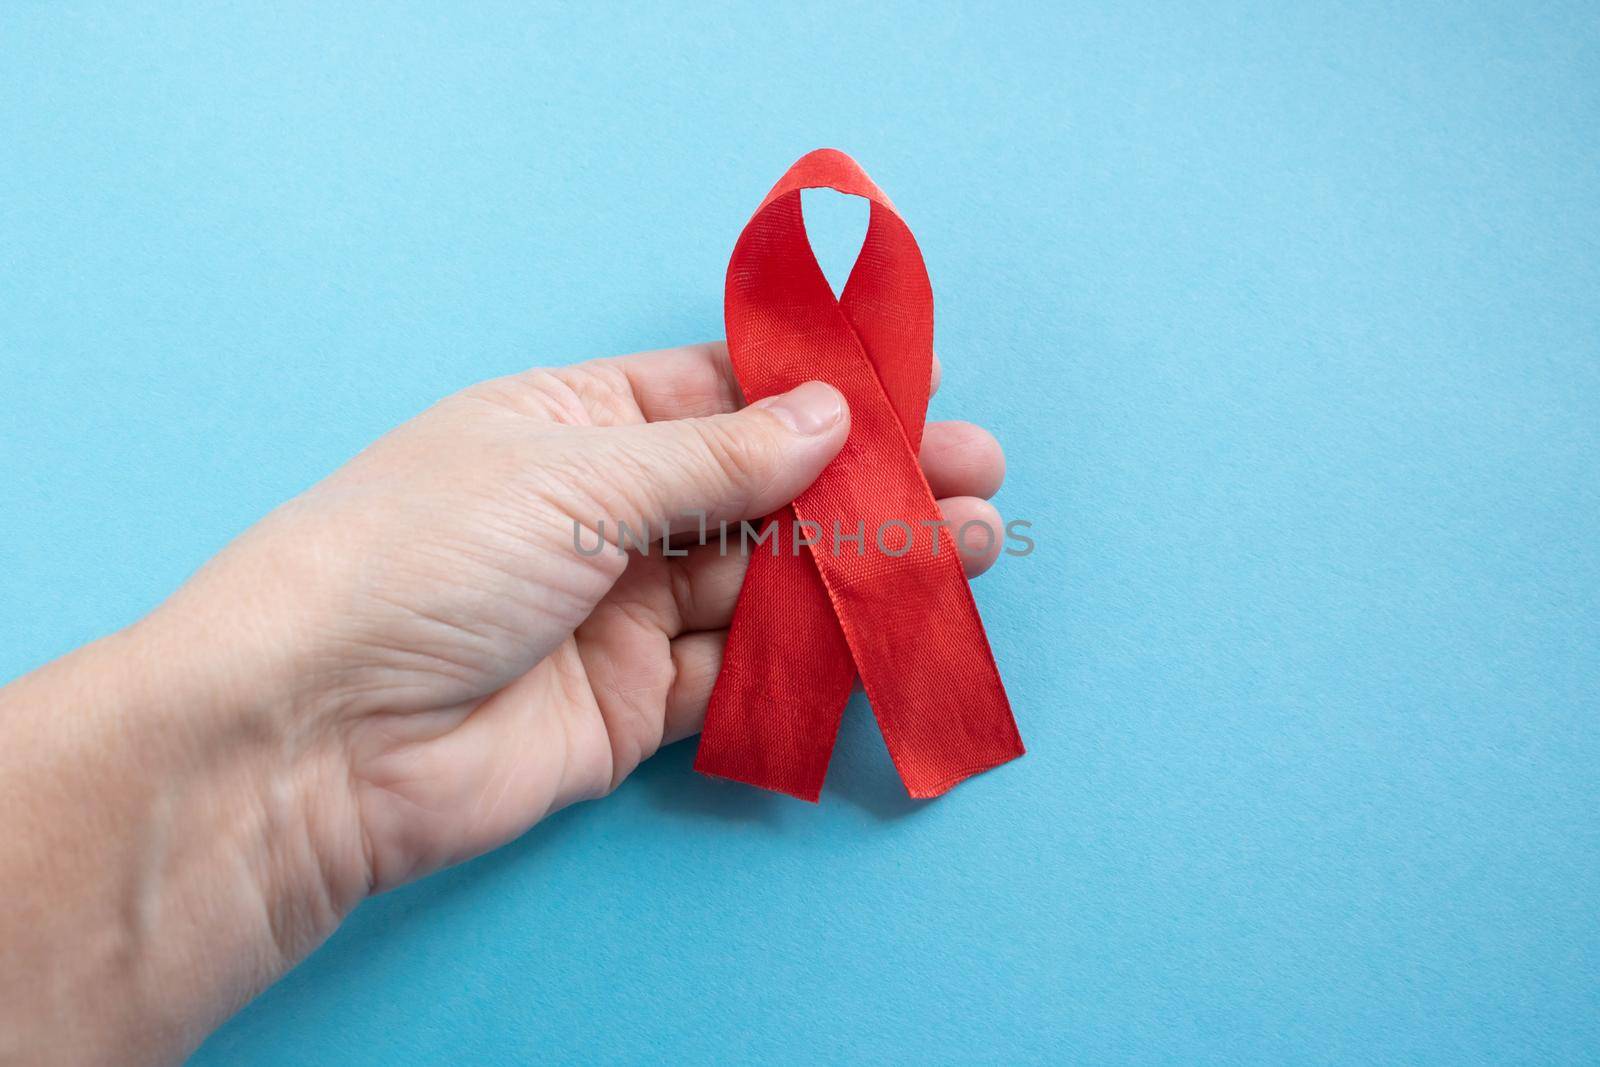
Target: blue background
1288, 316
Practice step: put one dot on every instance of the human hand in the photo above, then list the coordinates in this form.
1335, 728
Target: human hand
460, 669
407, 665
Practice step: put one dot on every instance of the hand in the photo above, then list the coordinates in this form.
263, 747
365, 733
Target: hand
406, 666
467, 668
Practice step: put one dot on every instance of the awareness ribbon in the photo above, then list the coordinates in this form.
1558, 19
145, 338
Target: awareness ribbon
879, 590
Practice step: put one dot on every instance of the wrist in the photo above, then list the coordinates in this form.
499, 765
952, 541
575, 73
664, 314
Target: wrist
263, 681
164, 795
255, 737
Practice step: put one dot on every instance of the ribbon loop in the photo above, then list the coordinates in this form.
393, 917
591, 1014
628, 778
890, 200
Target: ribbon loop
879, 591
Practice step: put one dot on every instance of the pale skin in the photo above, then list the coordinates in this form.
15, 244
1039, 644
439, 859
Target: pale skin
406, 666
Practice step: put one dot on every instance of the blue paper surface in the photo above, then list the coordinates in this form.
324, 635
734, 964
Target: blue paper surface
1287, 315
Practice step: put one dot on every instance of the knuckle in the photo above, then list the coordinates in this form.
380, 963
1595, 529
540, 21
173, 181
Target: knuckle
741, 454
537, 393
603, 390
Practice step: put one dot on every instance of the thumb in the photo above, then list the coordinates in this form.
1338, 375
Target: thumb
741, 465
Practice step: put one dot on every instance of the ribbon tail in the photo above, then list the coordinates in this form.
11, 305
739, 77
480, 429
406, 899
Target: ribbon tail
775, 709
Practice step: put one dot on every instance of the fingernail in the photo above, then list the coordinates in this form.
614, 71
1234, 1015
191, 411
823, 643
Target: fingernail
810, 409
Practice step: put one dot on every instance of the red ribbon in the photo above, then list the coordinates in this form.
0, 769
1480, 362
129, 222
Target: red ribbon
806, 624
